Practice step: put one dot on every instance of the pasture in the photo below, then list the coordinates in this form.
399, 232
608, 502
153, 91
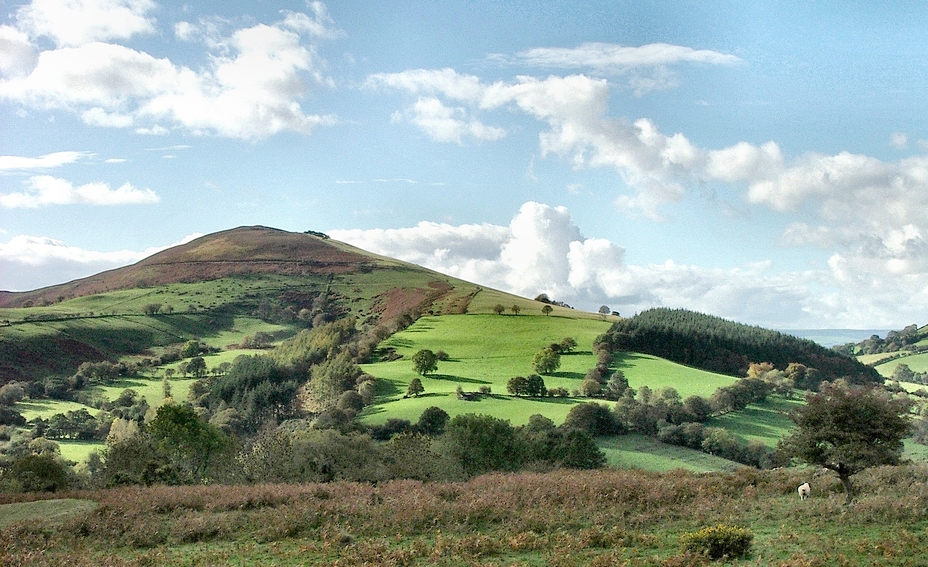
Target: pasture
487, 350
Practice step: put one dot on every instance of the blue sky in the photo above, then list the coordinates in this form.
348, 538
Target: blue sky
764, 162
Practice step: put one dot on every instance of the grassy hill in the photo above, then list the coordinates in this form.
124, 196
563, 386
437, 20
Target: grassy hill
203, 289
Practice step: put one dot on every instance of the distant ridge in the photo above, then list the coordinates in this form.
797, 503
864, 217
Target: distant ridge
242, 250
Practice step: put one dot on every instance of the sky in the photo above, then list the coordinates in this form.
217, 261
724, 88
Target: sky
765, 162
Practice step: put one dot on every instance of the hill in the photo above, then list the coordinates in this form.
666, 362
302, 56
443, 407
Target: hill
212, 286
718, 345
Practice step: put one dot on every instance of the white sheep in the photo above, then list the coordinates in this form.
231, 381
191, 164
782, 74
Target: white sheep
804, 490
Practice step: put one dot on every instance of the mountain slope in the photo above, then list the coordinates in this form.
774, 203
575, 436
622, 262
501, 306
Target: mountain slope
238, 251
199, 289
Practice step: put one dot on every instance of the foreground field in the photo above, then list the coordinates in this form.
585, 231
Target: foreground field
562, 518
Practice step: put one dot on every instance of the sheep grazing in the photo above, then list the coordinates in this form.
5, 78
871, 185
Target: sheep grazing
804, 490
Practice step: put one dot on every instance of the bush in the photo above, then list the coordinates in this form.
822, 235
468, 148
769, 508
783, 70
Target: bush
718, 541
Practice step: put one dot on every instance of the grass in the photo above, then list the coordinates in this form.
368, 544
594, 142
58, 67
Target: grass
78, 451
635, 451
655, 373
488, 350
43, 510
484, 350
765, 422
562, 518
917, 362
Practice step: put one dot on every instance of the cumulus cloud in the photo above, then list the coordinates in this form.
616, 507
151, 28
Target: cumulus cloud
17, 56
575, 109
542, 250
250, 87
444, 124
31, 262
76, 22
44, 190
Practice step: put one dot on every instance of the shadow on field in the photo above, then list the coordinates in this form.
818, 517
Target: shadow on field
450, 378
569, 375
624, 359
388, 387
547, 400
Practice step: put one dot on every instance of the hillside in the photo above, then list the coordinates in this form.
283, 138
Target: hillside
718, 345
202, 288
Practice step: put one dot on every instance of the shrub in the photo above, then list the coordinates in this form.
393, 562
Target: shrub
718, 541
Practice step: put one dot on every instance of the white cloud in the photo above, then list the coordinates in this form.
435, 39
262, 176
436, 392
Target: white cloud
17, 56
607, 57
56, 159
647, 66
250, 87
444, 124
76, 22
542, 250
32, 262
47, 190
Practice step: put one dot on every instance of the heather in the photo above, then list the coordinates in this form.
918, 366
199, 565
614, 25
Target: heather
601, 517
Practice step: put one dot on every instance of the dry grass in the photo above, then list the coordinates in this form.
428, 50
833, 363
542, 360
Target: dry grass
607, 517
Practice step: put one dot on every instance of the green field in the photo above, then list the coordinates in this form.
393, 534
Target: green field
635, 451
44, 510
484, 350
765, 422
917, 362
488, 350
655, 373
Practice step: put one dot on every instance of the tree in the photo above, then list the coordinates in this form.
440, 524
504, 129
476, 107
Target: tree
594, 418
197, 367
568, 344
515, 309
546, 361
499, 308
190, 442
547, 309
604, 310
433, 421
482, 443
415, 388
848, 430
425, 362
535, 386
517, 386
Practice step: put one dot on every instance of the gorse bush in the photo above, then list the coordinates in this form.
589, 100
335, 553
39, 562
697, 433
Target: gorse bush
719, 541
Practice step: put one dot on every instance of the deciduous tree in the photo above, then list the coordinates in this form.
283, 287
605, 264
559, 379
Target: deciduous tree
415, 388
546, 361
848, 430
425, 362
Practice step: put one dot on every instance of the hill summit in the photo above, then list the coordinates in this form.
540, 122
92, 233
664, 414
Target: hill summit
238, 251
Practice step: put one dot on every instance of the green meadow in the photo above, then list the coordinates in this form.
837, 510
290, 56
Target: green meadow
634, 451
917, 362
488, 350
